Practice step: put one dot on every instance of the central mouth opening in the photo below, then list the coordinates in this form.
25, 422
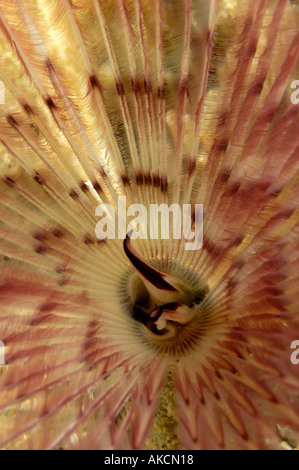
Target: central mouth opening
166, 307
161, 318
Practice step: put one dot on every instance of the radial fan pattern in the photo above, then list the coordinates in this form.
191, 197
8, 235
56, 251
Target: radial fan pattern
139, 343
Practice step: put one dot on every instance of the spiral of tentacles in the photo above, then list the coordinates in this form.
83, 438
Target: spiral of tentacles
169, 308
128, 344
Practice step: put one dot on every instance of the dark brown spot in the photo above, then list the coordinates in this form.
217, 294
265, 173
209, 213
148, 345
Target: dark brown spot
258, 187
269, 115
257, 87
40, 237
49, 65
222, 119
161, 93
83, 298
88, 240
83, 187
273, 279
89, 344
11, 121
233, 189
50, 103
192, 167
221, 145
139, 179
28, 109
187, 401
164, 184
57, 233
95, 82
48, 307
237, 241
9, 182
277, 303
183, 88
41, 249
135, 86
97, 186
231, 286
103, 173
38, 178
147, 86
274, 264
252, 49
20, 396
248, 25
63, 281
224, 176
211, 247
93, 324
73, 194
44, 413
120, 88
148, 179
276, 291
157, 181
238, 263
125, 180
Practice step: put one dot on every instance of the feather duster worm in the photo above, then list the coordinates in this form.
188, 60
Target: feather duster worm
142, 344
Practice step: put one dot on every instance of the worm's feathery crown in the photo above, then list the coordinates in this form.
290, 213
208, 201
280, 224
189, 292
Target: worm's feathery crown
181, 101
